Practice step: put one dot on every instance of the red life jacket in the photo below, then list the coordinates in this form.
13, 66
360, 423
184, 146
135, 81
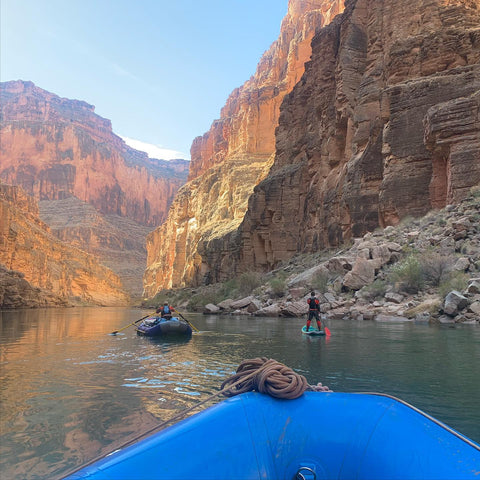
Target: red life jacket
315, 304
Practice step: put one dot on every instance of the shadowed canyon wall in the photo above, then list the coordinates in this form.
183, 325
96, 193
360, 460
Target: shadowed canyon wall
383, 124
27, 246
233, 156
93, 190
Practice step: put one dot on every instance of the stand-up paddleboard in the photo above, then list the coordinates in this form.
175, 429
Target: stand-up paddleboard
312, 331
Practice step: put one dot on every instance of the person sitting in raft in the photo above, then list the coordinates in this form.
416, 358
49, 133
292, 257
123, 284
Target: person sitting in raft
165, 311
313, 311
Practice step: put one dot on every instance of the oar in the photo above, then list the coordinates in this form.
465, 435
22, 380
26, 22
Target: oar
130, 324
190, 323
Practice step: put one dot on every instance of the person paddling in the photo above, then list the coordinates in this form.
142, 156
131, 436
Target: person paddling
313, 311
165, 311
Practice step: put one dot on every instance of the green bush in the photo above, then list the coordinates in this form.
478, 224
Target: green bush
320, 281
454, 281
435, 267
408, 275
278, 285
247, 282
375, 290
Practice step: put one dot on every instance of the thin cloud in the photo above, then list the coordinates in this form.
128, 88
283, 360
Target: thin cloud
125, 73
154, 151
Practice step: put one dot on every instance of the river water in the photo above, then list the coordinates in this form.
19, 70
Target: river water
70, 391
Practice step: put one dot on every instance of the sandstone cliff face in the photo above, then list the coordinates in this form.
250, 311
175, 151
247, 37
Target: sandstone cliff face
383, 124
95, 192
55, 148
27, 246
234, 156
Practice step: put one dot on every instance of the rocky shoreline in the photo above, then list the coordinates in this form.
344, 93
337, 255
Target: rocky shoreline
424, 270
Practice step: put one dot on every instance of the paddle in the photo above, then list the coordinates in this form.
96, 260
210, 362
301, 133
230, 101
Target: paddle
190, 323
327, 330
130, 324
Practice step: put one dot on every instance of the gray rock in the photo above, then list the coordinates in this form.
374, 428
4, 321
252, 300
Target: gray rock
242, 303
362, 273
454, 302
473, 286
268, 311
226, 304
210, 308
394, 297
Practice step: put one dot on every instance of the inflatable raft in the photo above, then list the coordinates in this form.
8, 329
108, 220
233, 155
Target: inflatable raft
316, 436
158, 326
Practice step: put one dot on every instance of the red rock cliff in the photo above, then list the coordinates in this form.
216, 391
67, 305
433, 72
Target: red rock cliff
27, 246
234, 156
95, 192
55, 148
383, 124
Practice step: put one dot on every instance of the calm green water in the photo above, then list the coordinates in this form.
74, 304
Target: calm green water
69, 391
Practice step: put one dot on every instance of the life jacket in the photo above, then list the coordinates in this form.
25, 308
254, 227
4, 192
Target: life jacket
314, 303
166, 309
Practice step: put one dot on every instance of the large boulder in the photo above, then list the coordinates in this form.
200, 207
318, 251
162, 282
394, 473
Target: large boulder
454, 302
362, 273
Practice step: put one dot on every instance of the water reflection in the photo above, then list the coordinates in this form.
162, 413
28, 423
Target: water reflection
70, 391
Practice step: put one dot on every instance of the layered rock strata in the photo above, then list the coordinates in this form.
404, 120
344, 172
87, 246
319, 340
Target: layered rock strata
55, 148
233, 157
383, 124
27, 246
94, 190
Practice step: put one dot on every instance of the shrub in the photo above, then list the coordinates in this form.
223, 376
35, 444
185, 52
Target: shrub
408, 275
320, 281
375, 290
435, 267
199, 300
247, 282
454, 281
278, 286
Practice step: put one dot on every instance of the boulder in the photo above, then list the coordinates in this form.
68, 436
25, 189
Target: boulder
210, 308
305, 278
226, 304
242, 303
293, 309
362, 273
474, 286
454, 302
269, 311
394, 297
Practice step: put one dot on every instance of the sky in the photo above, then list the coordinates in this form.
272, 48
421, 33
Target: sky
160, 70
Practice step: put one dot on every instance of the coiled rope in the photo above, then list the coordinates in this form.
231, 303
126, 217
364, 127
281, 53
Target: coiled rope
258, 374
268, 376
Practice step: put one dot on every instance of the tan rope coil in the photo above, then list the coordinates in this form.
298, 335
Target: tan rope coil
268, 376
258, 374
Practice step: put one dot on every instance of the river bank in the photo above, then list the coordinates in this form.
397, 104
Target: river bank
424, 270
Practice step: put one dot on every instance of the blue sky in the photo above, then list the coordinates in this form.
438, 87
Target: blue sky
159, 70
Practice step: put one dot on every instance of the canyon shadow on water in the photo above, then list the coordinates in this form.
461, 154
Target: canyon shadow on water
71, 391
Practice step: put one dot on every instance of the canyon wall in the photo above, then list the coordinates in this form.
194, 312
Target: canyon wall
58, 271
384, 124
55, 148
233, 156
94, 191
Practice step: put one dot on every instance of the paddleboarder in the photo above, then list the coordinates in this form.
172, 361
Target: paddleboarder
313, 311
